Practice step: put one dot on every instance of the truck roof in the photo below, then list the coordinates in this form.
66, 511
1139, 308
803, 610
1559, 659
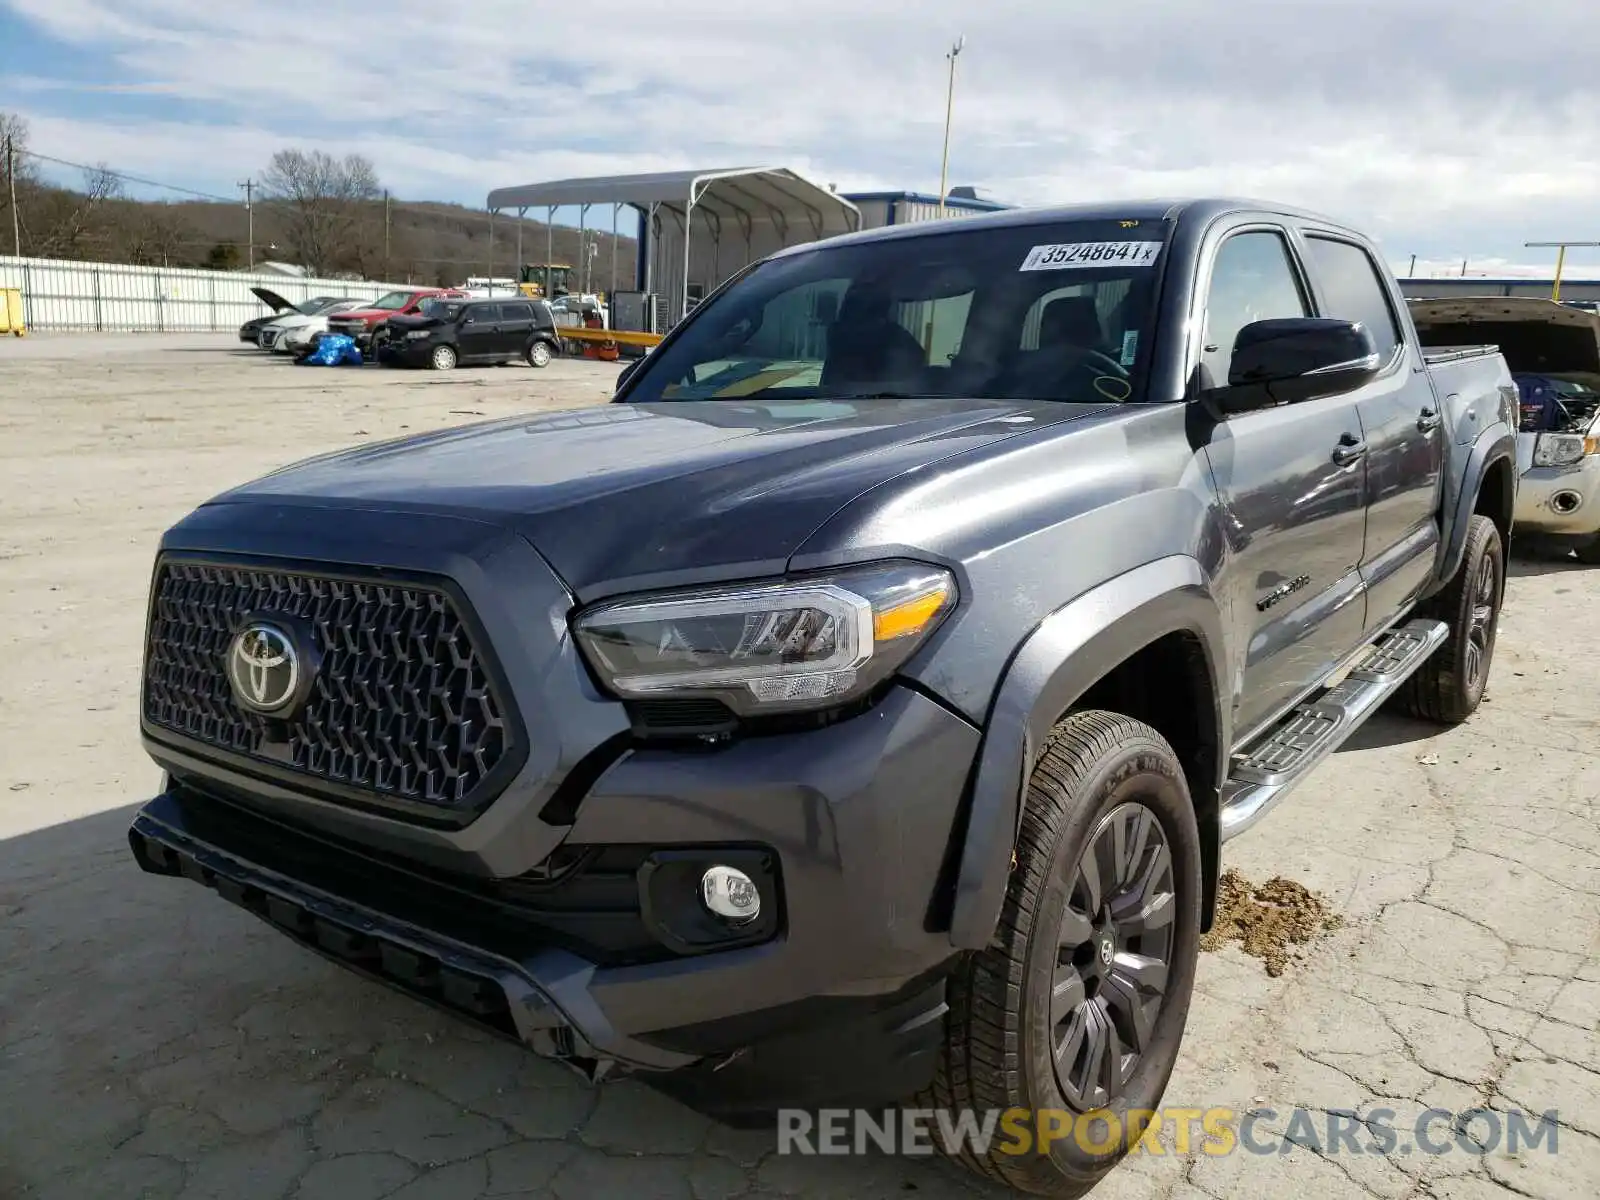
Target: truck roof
1201, 208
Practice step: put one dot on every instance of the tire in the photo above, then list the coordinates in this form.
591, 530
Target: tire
1588, 551
443, 358
1449, 686
1100, 772
539, 354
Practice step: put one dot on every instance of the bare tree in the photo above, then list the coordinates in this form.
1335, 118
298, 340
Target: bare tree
70, 224
320, 201
152, 235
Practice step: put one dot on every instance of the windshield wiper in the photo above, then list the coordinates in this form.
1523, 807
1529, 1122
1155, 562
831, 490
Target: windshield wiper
874, 396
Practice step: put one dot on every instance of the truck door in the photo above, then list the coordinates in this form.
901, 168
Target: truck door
1400, 421
1290, 482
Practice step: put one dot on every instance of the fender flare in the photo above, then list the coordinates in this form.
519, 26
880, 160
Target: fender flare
1498, 441
1065, 655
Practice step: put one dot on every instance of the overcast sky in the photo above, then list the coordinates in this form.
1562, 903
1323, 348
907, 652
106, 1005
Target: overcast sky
1447, 128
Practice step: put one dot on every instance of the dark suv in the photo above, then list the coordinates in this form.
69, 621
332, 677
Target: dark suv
449, 332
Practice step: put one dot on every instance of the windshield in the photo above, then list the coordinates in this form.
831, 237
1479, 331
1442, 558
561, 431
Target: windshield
392, 301
444, 310
1036, 312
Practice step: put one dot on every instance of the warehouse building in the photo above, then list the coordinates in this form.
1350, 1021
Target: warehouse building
697, 228
1451, 287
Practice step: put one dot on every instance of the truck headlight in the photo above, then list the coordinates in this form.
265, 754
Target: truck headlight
1563, 449
803, 643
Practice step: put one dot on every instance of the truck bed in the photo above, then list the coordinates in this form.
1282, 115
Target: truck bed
1435, 355
1468, 382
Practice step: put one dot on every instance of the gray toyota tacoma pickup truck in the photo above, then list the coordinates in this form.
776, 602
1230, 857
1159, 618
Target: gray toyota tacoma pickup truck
856, 707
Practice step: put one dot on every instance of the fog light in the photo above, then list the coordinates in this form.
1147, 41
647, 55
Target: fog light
729, 893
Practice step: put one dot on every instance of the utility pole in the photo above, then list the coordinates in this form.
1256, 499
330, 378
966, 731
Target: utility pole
615, 209
249, 186
1561, 260
11, 183
1413, 271
949, 107
386, 233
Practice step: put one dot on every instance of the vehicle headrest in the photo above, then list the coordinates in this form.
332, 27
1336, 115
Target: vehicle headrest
1072, 320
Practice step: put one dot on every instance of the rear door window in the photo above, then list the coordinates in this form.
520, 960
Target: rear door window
1352, 289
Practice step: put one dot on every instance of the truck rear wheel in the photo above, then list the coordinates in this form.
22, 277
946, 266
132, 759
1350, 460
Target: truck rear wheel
1449, 686
1078, 1004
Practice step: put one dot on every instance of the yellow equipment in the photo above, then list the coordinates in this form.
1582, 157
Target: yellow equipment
532, 278
11, 312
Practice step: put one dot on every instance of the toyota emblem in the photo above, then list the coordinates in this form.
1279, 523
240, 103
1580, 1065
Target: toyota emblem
264, 668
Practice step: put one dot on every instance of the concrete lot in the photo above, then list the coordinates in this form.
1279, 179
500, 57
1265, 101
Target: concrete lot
156, 1042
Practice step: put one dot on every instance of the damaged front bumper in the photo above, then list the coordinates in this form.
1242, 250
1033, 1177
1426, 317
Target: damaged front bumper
836, 1001
543, 1002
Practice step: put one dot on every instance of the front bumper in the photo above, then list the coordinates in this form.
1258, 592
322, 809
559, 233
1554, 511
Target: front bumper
1561, 501
841, 1004
406, 352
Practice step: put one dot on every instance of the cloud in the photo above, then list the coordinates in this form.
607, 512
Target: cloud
1448, 129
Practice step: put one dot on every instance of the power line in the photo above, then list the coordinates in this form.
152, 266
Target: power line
122, 175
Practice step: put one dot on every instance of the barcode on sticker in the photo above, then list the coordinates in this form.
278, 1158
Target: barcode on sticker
1069, 255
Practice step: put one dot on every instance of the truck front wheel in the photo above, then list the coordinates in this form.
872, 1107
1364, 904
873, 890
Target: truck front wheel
1075, 1011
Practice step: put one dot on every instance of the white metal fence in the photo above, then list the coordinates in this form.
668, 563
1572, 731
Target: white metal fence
117, 298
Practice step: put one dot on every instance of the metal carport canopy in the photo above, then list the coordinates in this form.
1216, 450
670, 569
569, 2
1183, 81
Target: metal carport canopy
739, 195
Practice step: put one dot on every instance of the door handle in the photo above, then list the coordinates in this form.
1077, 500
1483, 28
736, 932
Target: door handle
1428, 421
1350, 449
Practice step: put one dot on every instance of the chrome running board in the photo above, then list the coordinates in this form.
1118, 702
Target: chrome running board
1274, 764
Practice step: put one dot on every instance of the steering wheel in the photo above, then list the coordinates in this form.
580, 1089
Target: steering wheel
1106, 377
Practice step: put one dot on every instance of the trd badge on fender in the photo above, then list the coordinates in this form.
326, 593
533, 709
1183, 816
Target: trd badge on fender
264, 669
1281, 593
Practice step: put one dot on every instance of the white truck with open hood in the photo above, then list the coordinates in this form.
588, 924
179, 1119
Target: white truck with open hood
1554, 353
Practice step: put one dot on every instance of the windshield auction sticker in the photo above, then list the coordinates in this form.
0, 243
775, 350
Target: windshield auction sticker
1069, 255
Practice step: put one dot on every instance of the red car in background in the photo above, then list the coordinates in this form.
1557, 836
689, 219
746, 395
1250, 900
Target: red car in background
364, 324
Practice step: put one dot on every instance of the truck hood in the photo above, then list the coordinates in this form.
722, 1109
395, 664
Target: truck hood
363, 314
1537, 337
630, 496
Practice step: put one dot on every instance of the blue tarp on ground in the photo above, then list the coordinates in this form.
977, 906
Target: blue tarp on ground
333, 350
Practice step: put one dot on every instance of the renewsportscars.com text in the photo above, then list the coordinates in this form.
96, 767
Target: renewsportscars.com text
1180, 1131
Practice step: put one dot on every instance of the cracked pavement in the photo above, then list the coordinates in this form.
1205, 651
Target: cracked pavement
156, 1042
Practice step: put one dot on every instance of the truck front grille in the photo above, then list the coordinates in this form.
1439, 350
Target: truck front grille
403, 708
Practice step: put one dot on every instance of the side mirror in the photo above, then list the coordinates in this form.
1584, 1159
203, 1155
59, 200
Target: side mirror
1288, 360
